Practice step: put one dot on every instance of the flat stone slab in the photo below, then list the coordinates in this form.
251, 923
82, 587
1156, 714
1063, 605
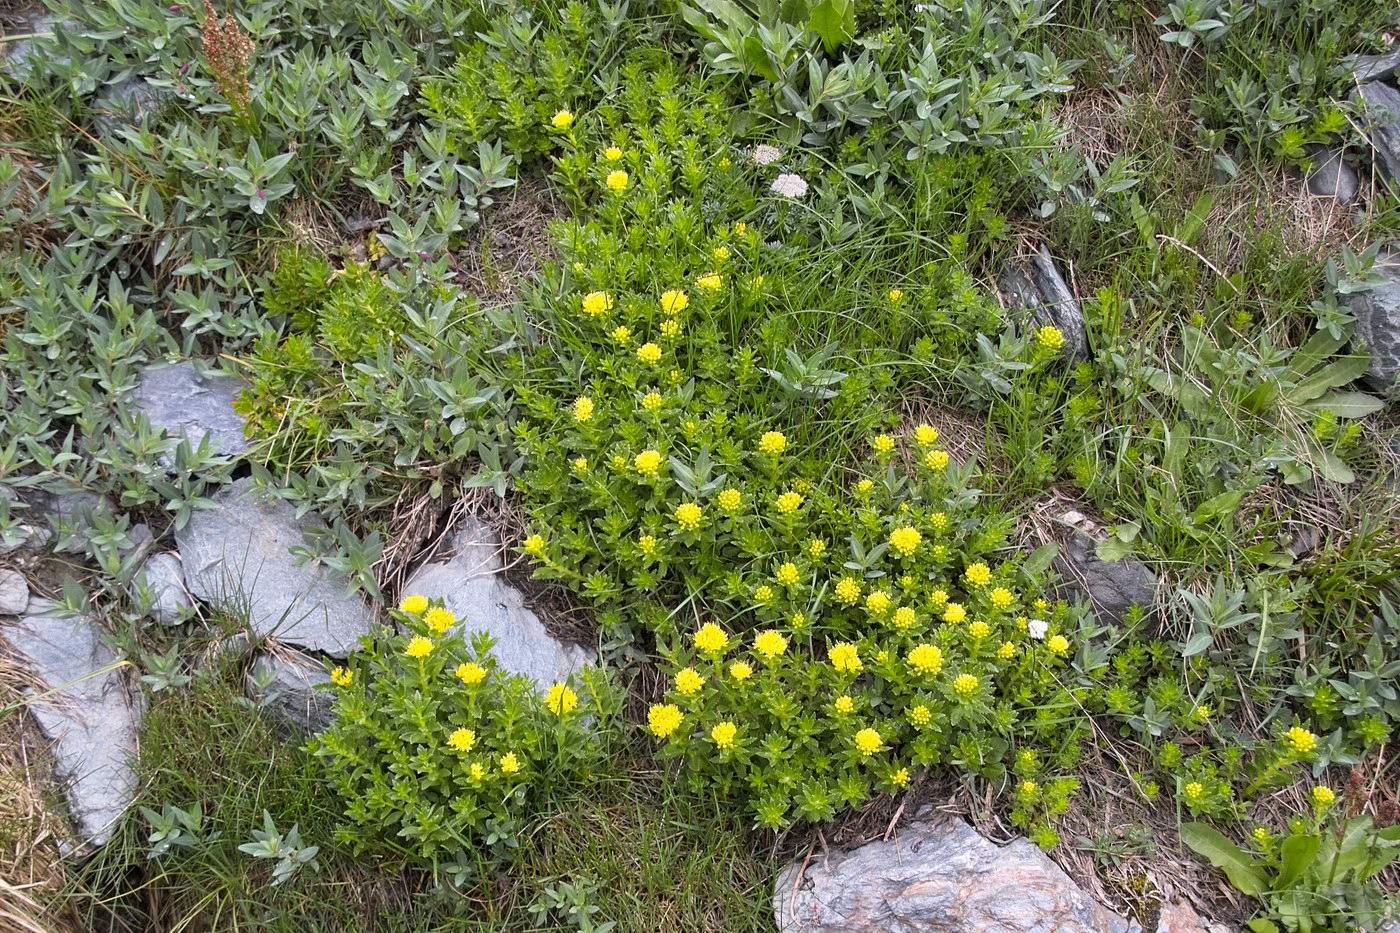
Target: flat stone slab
1110, 587
1043, 296
14, 593
288, 687
176, 398
471, 583
1378, 326
237, 557
937, 874
90, 716
161, 581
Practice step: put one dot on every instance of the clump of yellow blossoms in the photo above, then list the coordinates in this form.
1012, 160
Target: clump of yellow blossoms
674, 302
868, 741
583, 408
847, 591
647, 462
663, 719
688, 681
562, 120
787, 574
419, 647
845, 657
789, 502
770, 644
926, 659
730, 500
561, 700
925, 435
883, 445
617, 180
711, 639
596, 304
964, 685
439, 619
710, 282
772, 443
978, 574
414, 605
905, 540
1049, 337
723, 734
1300, 740
689, 515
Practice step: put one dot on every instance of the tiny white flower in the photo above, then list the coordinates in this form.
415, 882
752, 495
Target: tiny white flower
789, 186
1036, 628
766, 154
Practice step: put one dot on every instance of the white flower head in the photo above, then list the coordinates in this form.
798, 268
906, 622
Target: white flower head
789, 186
766, 155
1036, 628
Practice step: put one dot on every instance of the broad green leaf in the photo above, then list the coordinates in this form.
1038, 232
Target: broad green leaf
1111, 549
1040, 558
1347, 404
834, 21
1223, 504
1237, 864
1295, 858
1339, 372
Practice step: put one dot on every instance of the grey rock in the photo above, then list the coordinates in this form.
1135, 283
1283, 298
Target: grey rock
237, 558
1333, 176
160, 584
288, 687
1376, 67
1110, 587
126, 103
31, 539
85, 711
471, 583
1181, 917
937, 875
185, 404
1381, 104
19, 56
1045, 299
77, 508
140, 538
1378, 326
14, 593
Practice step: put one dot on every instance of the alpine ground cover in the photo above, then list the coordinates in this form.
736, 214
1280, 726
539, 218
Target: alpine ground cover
765, 426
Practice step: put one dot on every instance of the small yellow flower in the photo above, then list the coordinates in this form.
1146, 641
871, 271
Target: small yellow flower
925, 659
936, 460
534, 545
844, 705
439, 619
509, 763
740, 671
904, 618
926, 435
847, 591
579, 465
1323, 796
711, 639
772, 443
905, 540
647, 545
816, 547
896, 296
647, 462
1195, 791
740, 229
471, 673
978, 574
1059, 644
787, 574
710, 282
478, 771
965, 685
462, 740
649, 353
845, 657
938, 521
341, 677
730, 500
419, 647
789, 502
1300, 740
1002, 598
883, 445
612, 154
877, 603
617, 180
920, 715
1029, 788
561, 699
763, 593
1041, 605
413, 604
954, 613
596, 304
1262, 837
900, 777
979, 630
652, 401
1006, 652
689, 515
1051, 338
688, 682
868, 742
864, 486
674, 302
670, 329
939, 598
583, 408
1203, 713
723, 734
622, 335
721, 253
562, 120
663, 719
770, 643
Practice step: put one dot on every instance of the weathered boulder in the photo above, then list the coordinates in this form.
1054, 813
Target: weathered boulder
1043, 296
1378, 325
471, 583
128, 102
86, 711
1110, 587
237, 557
1381, 105
160, 584
1376, 67
188, 405
1181, 917
14, 593
937, 875
287, 686
1332, 176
